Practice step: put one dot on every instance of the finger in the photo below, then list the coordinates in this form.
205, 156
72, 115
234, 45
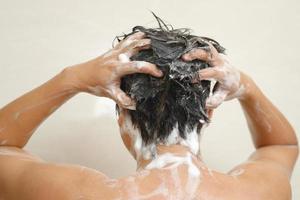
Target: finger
130, 39
136, 36
211, 73
122, 99
197, 53
139, 67
136, 46
216, 99
214, 52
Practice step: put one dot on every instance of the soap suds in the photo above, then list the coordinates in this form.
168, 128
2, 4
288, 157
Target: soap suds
238, 94
237, 172
123, 58
138, 146
162, 161
191, 187
174, 137
266, 115
172, 162
217, 98
112, 183
50, 98
177, 183
192, 141
231, 76
131, 188
210, 172
143, 173
140, 64
147, 152
161, 190
229, 84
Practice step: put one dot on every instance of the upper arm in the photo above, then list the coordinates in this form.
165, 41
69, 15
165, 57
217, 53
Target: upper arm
268, 170
278, 158
13, 163
281, 157
25, 176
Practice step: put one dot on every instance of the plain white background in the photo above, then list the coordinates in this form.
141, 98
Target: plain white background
39, 38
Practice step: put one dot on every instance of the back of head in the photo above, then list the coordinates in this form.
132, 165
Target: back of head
175, 100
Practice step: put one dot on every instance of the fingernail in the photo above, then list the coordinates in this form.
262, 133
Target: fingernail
185, 57
132, 107
139, 33
159, 73
124, 99
208, 105
141, 44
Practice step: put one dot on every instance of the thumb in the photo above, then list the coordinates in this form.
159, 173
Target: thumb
216, 99
122, 99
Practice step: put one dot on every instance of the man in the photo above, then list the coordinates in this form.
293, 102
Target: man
167, 169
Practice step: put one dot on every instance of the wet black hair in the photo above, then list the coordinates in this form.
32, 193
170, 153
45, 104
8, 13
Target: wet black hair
174, 99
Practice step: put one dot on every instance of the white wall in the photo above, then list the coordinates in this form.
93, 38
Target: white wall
40, 38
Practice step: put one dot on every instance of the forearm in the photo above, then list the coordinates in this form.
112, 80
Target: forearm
267, 124
20, 118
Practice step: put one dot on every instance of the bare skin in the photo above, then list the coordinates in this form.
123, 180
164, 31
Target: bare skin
182, 175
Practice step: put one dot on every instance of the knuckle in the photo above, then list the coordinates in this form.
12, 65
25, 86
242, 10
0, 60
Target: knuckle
135, 43
130, 65
202, 54
145, 41
214, 70
193, 53
137, 35
142, 43
198, 54
144, 69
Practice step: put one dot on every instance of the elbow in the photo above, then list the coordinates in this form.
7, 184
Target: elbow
11, 143
296, 143
297, 150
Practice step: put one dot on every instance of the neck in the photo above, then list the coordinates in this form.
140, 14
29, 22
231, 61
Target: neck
165, 154
173, 144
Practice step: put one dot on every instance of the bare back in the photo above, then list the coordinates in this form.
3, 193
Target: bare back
34, 179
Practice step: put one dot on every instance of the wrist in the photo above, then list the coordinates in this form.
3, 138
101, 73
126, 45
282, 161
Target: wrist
84, 76
70, 80
249, 87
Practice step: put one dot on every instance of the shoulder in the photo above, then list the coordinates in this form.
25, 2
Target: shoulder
69, 181
267, 172
264, 180
24, 176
